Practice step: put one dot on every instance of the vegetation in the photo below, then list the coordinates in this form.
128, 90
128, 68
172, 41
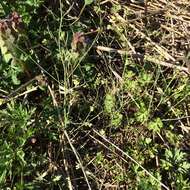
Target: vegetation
94, 95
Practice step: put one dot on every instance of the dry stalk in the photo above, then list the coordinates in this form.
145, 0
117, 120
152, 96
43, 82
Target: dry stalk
143, 57
64, 136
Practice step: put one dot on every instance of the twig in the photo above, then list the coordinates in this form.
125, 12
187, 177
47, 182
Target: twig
143, 58
22, 87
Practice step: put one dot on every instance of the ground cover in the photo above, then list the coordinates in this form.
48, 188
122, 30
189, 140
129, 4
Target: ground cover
94, 94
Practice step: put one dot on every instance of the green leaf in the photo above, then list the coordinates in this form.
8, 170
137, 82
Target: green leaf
7, 57
155, 125
88, 2
20, 153
116, 119
109, 103
2, 176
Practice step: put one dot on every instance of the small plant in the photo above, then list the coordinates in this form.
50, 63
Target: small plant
155, 125
110, 109
14, 122
109, 103
143, 114
147, 182
176, 164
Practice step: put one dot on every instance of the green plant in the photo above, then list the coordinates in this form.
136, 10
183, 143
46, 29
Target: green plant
15, 122
176, 164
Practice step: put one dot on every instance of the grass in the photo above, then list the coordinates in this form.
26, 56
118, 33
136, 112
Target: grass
94, 95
